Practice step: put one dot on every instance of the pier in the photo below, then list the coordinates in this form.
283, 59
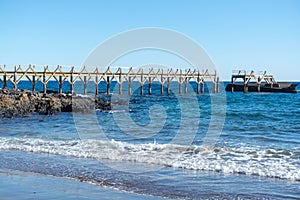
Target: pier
163, 76
242, 74
258, 83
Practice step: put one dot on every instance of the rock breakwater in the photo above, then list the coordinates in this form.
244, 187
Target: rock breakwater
18, 103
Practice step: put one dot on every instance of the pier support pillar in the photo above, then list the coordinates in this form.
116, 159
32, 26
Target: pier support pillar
4, 81
245, 88
141, 89
120, 88
198, 87
84, 85
142, 83
60, 84
120, 84
96, 85
149, 86
218, 86
15, 77
245, 85
198, 83
97, 88
71, 81
232, 85
44, 81
258, 84
215, 86
186, 82
180, 88
162, 83
180, 83
168, 86
108, 86
33, 83
161, 88
215, 82
45, 88
129, 86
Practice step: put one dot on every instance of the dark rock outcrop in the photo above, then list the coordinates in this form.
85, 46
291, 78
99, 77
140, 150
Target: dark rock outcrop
17, 103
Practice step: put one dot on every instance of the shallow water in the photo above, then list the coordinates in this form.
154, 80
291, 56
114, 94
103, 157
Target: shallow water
168, 146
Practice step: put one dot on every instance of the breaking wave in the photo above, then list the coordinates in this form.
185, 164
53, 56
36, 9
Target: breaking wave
273, 163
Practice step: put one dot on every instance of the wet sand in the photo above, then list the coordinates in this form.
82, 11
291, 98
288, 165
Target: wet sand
25, 185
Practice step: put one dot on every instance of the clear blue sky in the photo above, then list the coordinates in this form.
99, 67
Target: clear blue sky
253, 34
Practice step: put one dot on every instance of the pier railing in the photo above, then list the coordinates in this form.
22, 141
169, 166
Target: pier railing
163, 76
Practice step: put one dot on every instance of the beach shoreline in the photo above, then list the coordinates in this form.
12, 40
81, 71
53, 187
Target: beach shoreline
16, 184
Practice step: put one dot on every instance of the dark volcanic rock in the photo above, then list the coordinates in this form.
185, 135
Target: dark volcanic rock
16, 103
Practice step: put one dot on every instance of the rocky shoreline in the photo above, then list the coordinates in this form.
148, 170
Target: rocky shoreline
19, 103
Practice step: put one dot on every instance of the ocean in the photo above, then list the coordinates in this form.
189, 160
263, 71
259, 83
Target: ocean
207, 146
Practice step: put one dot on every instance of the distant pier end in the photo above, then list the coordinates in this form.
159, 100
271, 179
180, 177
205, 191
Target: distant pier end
258, 83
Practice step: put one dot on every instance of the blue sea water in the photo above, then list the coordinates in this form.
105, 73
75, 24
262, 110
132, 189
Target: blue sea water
207, 146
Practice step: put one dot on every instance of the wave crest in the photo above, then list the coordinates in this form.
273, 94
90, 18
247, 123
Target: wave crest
283, 164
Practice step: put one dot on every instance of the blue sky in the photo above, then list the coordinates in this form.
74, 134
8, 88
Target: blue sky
237, 34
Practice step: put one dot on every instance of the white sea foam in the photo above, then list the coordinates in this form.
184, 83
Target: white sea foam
245, 160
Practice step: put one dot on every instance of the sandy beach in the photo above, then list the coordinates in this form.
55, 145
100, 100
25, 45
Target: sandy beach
25, 185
